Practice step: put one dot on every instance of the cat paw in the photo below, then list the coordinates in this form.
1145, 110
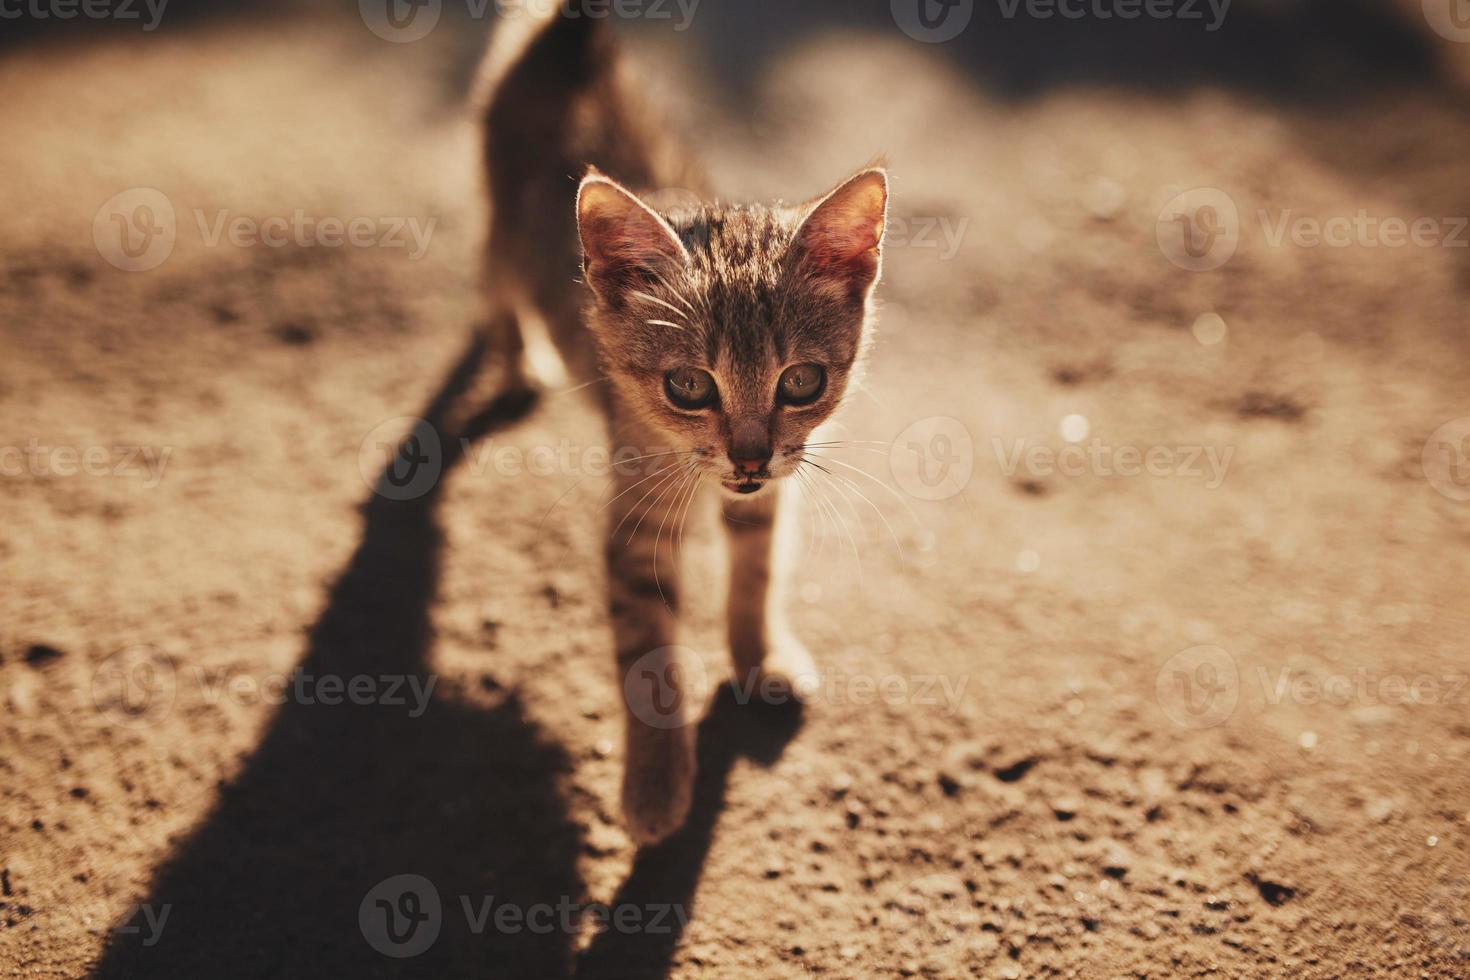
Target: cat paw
787, 672
658, 783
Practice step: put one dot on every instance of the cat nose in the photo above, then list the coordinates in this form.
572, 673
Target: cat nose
750, 466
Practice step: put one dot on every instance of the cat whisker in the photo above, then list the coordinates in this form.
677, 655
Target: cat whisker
847, 530
640, 483
897, 544
668, 484
824, 508
850, 443
688, 502
665, 323
811, 533
576, 388
671, 470
650, 298
843, 526
891, 492
692, 475
816, 507
555, 503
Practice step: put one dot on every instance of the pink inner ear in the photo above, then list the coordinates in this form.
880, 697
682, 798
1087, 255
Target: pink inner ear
619, 232
843, 236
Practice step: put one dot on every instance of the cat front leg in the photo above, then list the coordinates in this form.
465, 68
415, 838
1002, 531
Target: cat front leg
643, 587
768, 659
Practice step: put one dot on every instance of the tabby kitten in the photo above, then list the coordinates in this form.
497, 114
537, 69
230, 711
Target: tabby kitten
725, 334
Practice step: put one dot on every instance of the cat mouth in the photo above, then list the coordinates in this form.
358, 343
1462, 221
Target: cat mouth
743, 486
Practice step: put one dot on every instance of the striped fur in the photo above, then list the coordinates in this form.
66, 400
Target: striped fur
673, 281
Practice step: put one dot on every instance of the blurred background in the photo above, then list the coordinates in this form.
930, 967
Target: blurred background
1138, 594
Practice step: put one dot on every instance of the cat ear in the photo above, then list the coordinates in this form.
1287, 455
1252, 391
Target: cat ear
841, 240
623, 240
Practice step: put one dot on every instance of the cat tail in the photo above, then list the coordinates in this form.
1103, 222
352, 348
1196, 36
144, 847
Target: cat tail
541, 77
535, 68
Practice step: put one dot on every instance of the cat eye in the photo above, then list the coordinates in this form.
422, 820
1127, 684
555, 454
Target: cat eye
802, 384
690, 388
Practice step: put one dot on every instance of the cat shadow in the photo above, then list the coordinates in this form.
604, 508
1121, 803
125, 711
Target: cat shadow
663, 879
288, 874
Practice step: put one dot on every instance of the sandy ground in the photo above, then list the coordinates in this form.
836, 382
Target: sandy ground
1205, 722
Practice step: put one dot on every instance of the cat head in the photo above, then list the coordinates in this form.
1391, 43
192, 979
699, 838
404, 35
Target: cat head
733, 331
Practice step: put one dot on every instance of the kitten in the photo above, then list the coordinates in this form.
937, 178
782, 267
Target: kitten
721, 335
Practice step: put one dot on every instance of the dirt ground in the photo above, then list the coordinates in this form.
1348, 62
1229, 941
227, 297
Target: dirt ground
1206, 719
